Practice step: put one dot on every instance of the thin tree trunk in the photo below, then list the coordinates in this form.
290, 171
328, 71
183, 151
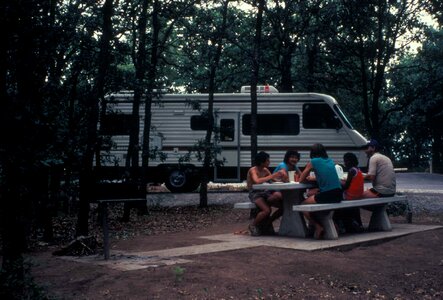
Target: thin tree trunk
18, 112
87, 178
208, 147
254, 78
140, 71
151, 79
286, 75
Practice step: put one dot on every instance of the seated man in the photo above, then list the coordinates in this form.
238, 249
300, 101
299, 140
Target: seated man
289, 163
380, 172
264, 199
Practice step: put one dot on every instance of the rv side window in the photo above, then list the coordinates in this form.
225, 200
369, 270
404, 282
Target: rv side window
116, 124
273, 124
199, 123
227, 130
319, 116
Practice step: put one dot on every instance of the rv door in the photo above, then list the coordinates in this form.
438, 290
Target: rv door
230, 145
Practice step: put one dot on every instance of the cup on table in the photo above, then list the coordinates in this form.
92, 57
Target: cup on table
291, 175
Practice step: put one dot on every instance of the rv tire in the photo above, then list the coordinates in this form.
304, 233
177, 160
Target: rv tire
179, 181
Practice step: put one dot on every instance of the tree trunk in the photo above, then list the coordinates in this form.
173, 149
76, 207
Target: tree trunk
151, 79
286, 75
254, 78
140, 71
20, 106
312, 60
87, 178
437, 145
12, 226
208, 146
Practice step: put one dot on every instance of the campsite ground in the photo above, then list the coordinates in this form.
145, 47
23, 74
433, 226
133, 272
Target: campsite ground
408, 267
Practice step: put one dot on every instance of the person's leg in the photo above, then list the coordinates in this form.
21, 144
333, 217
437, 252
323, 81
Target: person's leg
319, 230
312, 192
348, 219
264, 212
340, 220
370, 193
276, 200
355, 216
356, 223
255, 227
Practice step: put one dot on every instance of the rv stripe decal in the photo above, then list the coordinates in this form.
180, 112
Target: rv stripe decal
229, 101
270, 148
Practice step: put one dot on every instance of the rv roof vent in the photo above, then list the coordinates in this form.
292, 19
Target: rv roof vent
260, 89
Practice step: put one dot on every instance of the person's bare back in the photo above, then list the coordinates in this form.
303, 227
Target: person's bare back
255, 174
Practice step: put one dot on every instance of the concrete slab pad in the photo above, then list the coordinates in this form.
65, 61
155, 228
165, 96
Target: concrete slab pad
308, 244
127, 261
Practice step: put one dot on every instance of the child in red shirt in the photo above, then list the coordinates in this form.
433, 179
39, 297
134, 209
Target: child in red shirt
349, 219
353, 186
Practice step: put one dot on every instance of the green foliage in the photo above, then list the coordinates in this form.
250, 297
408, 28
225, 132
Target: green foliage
400, 208
201, 148
260, 293
200, 33
179, 273
417, 84
17, 283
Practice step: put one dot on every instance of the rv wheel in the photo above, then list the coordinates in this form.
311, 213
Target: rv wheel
176, 181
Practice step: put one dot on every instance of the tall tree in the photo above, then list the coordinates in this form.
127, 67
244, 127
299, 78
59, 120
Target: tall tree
139, 60
26, 137
255, 70
369, 36
417, 85
87, 178
151, 82
288, 22
217, 43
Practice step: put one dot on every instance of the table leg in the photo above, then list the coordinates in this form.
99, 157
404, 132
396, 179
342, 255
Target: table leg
292, 222
104, 209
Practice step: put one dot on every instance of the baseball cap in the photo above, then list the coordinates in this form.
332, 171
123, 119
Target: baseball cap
372, 143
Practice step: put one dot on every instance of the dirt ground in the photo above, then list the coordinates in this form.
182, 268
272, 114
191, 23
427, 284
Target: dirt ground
409, 267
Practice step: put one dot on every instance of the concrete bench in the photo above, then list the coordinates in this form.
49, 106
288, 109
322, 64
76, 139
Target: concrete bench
324, 213
245, 205
248, 205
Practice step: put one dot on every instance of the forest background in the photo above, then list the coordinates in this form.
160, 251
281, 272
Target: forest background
382, 60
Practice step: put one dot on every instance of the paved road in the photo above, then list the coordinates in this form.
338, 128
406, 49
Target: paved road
425, 187
420, 182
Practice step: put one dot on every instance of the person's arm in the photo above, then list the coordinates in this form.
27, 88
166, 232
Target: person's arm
256, 179
305, 172
351, 175
283, 174
297, 170
371, 170
369, 177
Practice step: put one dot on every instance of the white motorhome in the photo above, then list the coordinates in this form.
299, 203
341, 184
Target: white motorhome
284, 121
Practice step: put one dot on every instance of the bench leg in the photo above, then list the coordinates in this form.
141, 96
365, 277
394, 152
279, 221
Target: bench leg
325, 219
379, 219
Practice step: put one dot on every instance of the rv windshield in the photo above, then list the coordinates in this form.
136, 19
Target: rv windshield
342, 116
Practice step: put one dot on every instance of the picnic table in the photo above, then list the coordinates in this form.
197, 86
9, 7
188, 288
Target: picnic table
292, 222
